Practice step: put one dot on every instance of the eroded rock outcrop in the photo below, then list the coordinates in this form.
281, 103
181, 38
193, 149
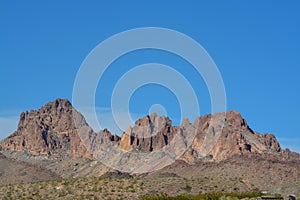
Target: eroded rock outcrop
234, 137
149, 133
215, 137
52, 131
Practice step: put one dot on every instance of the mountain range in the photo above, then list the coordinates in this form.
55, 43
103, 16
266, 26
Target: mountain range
57, 142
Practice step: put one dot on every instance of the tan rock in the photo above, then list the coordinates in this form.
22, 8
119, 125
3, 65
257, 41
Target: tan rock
52, 131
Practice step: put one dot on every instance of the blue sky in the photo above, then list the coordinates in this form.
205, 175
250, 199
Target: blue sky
255, 45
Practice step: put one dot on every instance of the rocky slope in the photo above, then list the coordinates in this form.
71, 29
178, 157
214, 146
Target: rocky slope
215, 137
51, 131
150, 133
237, 174
234, 137
57, 136
15, 171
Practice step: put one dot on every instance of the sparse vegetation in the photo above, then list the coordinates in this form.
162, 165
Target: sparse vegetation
79, 188
207, 196
117, 188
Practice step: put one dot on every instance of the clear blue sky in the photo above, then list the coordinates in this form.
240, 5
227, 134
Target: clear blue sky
255, 44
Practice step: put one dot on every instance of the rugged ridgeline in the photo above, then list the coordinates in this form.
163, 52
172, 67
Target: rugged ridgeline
224, 135
52, 131
49, 138
223, 155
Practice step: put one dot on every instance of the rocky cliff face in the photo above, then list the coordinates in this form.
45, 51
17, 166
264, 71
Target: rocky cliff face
216, 137
234, 138
149, 134
52, 131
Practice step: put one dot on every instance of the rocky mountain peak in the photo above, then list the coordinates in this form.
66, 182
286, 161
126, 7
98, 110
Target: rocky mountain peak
58, 115
185, 122
149, 133
218, 137
228, 134
49, 130
52, 131
235, 119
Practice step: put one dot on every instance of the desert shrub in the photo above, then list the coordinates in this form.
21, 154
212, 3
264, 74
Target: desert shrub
206, 196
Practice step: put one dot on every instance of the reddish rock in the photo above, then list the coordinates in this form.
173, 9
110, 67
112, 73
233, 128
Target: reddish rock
218, 137
149, 133
50, 130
